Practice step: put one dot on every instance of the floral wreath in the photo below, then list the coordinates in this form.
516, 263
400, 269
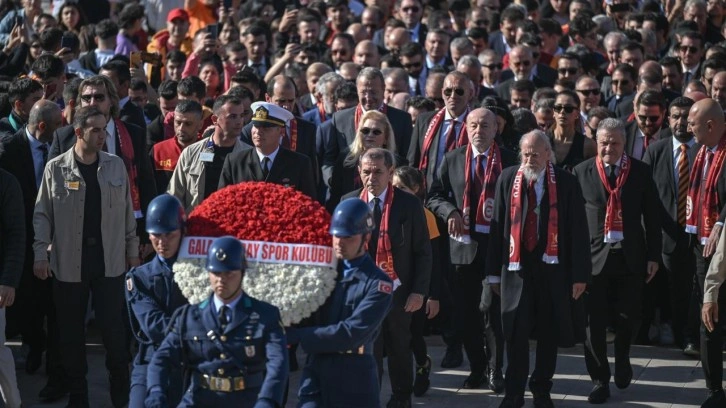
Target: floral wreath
290, 261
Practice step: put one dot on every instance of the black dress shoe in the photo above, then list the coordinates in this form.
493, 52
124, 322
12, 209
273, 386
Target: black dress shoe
120, 384
421, 383
33, 361
398, 403
53, 391
542, 400
78, 401
512, 402
623, 373
453, 358
691, 350
716, 399
496, 380
474, 381
599, 394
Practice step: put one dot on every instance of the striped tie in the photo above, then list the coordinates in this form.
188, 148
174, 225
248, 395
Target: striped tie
683, 181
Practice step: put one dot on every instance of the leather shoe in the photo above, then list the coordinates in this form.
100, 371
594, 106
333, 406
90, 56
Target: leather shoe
716, 399
78, 401
474, 381
599, 394
33, 361
623, 373
512, 402
453, 358
542, 400
120, 384
52, 391
691, 350
398, 403
496, 380
421, 383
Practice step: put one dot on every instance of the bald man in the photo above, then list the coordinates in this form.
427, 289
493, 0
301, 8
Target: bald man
399, 100
718, 89
396, 82
396, 39
706, 120
462, 196
366, 54
358, 32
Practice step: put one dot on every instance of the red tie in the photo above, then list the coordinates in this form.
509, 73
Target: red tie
530, 220
451, 136
479, 172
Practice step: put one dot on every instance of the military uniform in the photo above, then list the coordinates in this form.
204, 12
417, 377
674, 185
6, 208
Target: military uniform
152, 297
242, 363
340, 370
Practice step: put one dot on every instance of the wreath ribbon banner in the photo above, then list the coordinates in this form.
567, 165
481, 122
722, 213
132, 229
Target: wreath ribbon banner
266, 252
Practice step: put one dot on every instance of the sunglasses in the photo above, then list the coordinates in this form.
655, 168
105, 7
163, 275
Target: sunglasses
652, 119
494, 66
623, 82
588, 92
412, 65
566, 71
376, 132
97, 97
566, 108
691, 49
449, 91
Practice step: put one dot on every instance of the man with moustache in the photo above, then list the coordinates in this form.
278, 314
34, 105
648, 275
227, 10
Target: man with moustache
671, 160
645, 130
539, 263
718, 89
625, 248
401, 247
436, 133
705, 215
462, 192
268, 161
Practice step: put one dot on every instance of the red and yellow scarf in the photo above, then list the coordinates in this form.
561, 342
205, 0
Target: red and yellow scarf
614, 210
384, 253
701, 219
485, 207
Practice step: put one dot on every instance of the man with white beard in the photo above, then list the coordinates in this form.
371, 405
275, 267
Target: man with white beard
538, 260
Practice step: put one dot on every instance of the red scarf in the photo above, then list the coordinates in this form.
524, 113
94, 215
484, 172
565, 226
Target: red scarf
614, 210
168, 125
321, 112
485, 208
702, 220
384, 254
359, 112
515, 213
434, 129
293, 135
127, 155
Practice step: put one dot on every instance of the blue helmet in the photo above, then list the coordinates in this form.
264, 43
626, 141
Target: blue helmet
165, 214
351, 217
226, 254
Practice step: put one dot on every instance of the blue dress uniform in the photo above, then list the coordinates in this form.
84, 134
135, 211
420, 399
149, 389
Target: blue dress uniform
152, 297
340, 370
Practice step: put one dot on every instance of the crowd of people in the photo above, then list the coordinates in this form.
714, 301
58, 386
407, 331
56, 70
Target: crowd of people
551, 124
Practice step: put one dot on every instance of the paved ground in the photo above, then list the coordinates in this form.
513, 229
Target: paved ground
662, 378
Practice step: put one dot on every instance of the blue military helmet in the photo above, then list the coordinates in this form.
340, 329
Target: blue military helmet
226, 254
351, 217
165, 214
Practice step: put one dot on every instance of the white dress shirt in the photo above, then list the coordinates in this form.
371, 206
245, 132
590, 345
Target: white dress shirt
111, 137
270, 156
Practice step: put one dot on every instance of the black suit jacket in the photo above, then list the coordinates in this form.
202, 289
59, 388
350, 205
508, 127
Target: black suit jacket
134, 115
625, 107
6, 128
410, 244
539, 82
288, 169
641, 220
659, 157
546, 76
446, 196
88, 62
154, 133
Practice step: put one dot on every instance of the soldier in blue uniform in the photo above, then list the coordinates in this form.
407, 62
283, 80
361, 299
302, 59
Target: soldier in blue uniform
152, 296
231, 345
340, 370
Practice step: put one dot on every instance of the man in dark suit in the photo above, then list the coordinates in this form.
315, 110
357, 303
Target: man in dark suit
25, 154
400, 246
99, 91
622, 85
411, 12
671, 160
707, 204
344, 126
118, 72
433, 134
625, 243
463, 191
299, 134
22, 95
539, 264
503, 39
646, 128
267, 161
522, 66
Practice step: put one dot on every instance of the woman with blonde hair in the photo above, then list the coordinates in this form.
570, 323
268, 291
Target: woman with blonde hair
374, 131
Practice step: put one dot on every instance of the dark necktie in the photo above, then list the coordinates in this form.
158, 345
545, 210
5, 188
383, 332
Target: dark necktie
479, 184
222, 317
530, 220
451, 136
265, 167
44, 149
683, 181
377, 214
612, 178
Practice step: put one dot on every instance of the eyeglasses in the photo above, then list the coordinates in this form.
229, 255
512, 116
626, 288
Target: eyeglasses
449, 91
376, 132
413, 9
566, 108
97, 97
494, 66
623, 82
652, 119
567, 71
588, 92
686, 49
412, 65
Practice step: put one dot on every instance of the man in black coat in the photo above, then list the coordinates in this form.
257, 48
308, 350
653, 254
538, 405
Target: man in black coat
370, 86
401, 247
540, 276
118, 72
269, 161
22, 95
24, 156
671, 182
625, 243
458, 199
